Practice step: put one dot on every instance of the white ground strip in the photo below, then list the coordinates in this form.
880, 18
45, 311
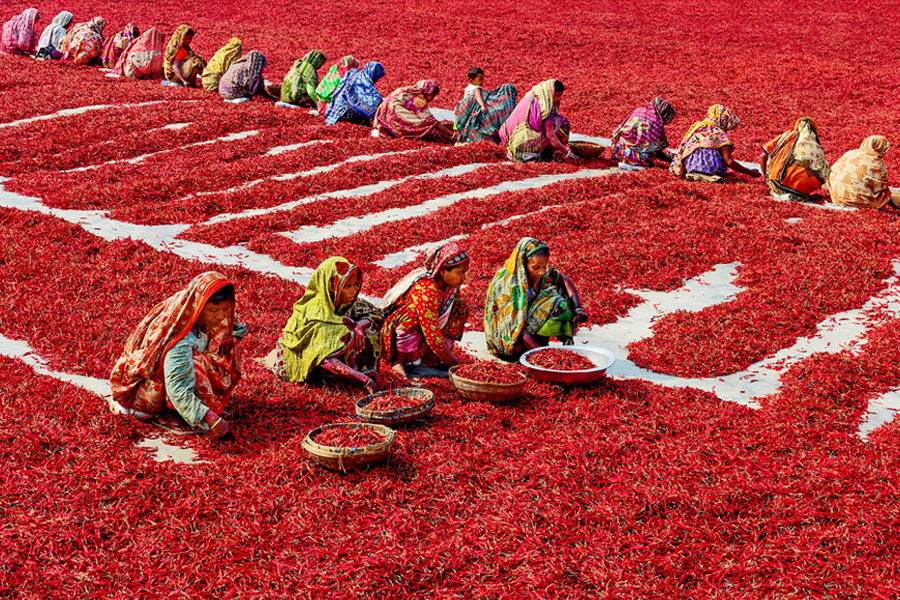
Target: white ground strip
288, 177
842, 331
363, 190
351, 225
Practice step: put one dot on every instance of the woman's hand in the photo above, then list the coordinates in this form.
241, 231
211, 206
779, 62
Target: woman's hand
372, 386
218, 427
358, 343
580, 315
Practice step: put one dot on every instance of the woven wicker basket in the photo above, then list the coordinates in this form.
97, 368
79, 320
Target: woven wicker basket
496, 393
348, 459
587, 149
421, 401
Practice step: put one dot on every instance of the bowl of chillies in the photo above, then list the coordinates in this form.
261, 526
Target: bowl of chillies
567, 364
488, 381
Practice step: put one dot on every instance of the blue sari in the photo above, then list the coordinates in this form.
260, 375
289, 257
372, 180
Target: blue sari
356, 95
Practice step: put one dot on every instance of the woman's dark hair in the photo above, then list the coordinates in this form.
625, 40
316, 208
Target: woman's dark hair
558, 86
189, 31
226, 293
540, 252
475, 72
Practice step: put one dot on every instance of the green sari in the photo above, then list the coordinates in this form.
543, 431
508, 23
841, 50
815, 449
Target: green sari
316, 329
512, 305
299, 85
333, 78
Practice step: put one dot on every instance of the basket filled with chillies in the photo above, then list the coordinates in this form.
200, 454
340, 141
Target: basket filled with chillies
587, 149
348, 446
568, 364
488, 381
396, 406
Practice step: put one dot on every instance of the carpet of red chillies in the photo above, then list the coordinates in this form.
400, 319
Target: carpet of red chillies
619, 490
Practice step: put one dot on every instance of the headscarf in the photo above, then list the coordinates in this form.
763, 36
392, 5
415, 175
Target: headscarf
144, 57
357, 93
510, 298
219, 63
405, 113
53, 34
798, 147
19, 35
176, 43
447, 255
708, 133
116, 45
859, 178
301, 80
243, 77
316, 328
137, 380
645, 129
333, 77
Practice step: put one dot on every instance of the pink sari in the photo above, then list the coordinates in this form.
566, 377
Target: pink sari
19, 35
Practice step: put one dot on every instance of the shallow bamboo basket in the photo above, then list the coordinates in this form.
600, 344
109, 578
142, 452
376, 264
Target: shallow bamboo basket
587, 149
421, 403
349, 458
480, 391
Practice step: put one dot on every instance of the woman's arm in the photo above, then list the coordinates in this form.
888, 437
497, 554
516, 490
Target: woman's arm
176, 66
445, 130
341, 369
728, 158
764, 163
550, 132
427, 307
572, 292
178, 369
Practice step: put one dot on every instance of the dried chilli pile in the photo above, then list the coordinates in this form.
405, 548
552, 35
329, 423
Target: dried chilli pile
490, 372
348, 437
680, 495
558, 359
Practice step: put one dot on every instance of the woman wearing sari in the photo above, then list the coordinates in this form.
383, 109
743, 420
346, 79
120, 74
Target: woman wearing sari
184, 356
332, 80
405, 113
299, 85
51, 42
705, 153
535, 129
181, 64
19, 33
426, 315
356, 99
859, 178
641, 138
219, 64
116, 45
529, 302
84, 43
144, 58
330, 329
794, 162
244, 78
479, 114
